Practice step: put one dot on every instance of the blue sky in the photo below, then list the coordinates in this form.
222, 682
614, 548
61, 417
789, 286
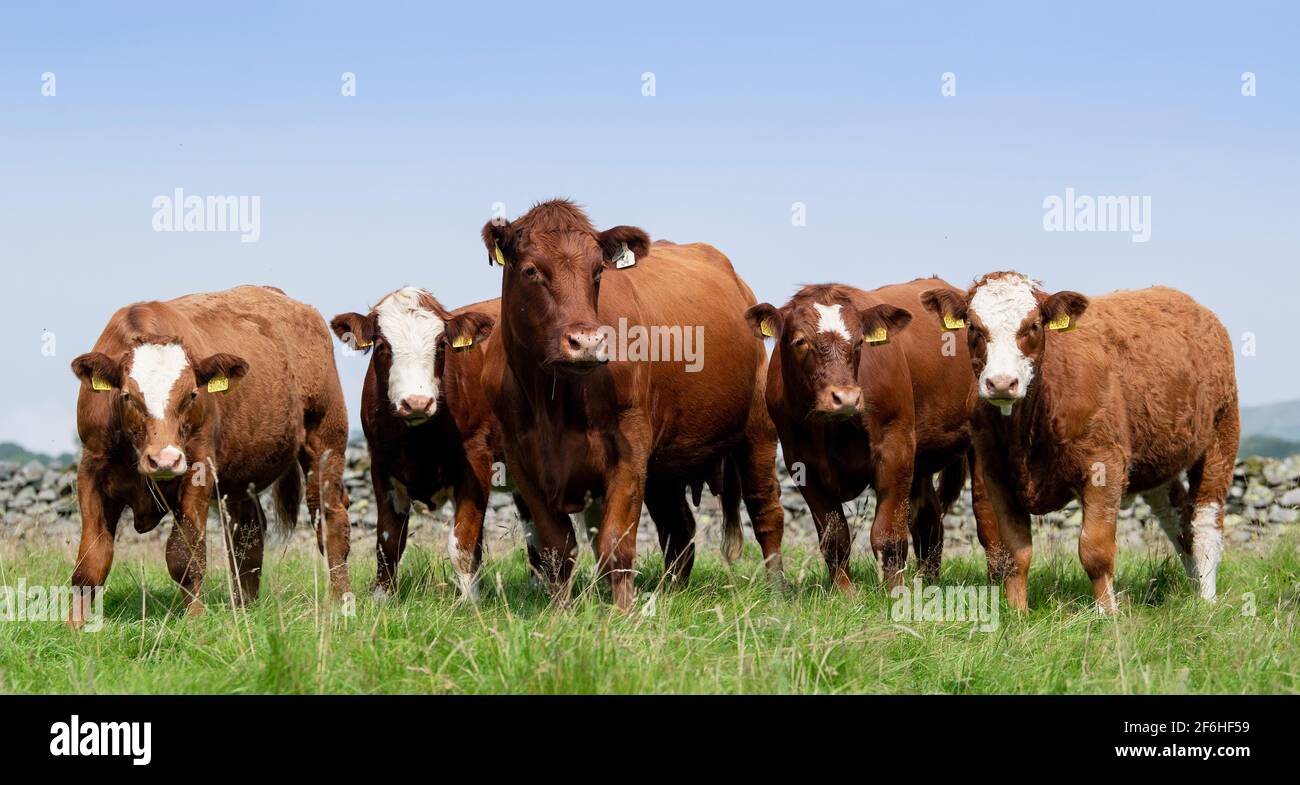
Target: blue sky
757, 106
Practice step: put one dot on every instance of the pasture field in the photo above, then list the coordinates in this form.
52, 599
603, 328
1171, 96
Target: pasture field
729, 632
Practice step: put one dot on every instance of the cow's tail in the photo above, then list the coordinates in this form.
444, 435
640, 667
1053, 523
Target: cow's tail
733, 539
288, 498
951, 482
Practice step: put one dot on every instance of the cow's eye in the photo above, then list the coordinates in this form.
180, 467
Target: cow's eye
531, 272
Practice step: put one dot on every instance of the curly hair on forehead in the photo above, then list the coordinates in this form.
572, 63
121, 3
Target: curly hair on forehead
556, 215
825, 293
990, 277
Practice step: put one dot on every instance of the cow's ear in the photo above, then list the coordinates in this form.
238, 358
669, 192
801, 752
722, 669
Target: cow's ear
1061, 310
356, 331
764, 319
500, 239
220, 372
948, 305
466, 330
613, 240
98, 370
882, 322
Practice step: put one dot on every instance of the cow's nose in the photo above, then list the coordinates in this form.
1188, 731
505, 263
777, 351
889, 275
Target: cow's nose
583, 345
416, 407
168, 460
846, 399
1002, 386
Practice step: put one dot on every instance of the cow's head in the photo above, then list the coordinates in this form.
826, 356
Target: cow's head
553, 261
162, 395
410, 332
821, 335
1007, 321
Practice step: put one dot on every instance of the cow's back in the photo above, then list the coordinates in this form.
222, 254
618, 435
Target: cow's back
1170, 359
688, 286
938, 364
290, 355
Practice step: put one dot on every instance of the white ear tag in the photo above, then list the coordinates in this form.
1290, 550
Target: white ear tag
624, 258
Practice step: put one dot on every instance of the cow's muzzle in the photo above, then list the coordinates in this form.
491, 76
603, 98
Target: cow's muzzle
165, 464
582, 348
416, 409
840, 400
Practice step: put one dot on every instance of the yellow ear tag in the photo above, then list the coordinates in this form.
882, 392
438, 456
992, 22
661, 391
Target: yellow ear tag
501, 258
97, 383
362, 343
877, 336
766, 329
218, 384
951, 322
1061, 323
462, 341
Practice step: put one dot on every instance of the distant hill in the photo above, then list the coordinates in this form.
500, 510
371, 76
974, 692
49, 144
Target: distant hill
19, 454
1279, 420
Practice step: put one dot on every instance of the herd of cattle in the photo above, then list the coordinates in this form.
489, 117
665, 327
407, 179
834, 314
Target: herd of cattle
1041, 398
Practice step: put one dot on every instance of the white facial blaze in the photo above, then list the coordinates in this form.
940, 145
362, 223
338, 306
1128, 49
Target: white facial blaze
155, 369
1002, 305
830, 320
411, 331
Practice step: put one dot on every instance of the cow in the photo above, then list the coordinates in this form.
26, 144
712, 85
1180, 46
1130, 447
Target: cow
1095, 400
429, 429
210, 397
863, 396
589, 407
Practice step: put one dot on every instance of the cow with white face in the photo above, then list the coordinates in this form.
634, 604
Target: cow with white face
430, 433
1097, 399
224, 393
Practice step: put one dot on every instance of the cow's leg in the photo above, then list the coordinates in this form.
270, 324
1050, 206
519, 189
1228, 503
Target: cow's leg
99, 517
926, 526
1101, 501
391, 529
1168, 504
666, 500
1015, 536
893, 497
465, 540
1209, 482
187, 551
322, 456
833, 534
624, 494
996, 558
529, 527
756, 461
244, 540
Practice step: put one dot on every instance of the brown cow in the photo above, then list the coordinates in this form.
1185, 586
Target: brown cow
1093, 400
207, 396
589, 406
427, 425
863, 396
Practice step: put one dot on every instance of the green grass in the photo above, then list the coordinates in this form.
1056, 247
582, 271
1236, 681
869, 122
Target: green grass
729, 632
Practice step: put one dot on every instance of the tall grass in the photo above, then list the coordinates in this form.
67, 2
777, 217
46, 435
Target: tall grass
730, 631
